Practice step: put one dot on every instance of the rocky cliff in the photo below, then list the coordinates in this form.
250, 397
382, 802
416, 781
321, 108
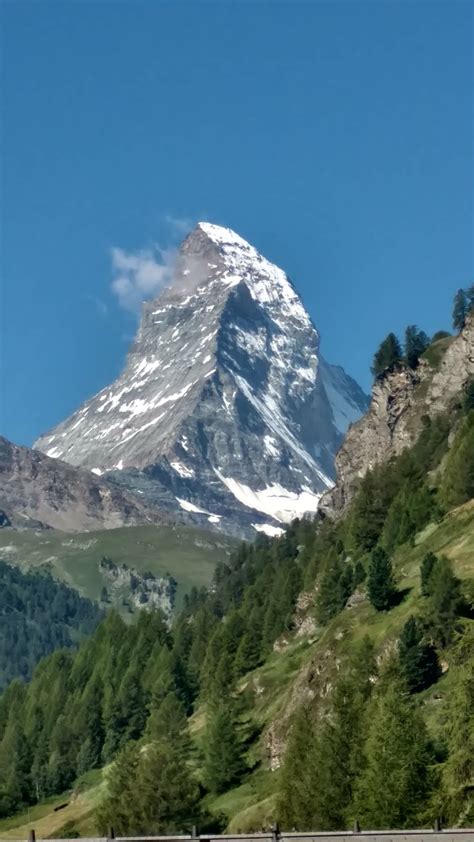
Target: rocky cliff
38, 491
400, 401
225, 409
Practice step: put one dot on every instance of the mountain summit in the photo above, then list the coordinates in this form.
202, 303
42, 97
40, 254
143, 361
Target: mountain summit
225, 409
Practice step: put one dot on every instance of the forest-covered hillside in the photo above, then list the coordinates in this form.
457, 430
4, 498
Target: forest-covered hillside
37, 616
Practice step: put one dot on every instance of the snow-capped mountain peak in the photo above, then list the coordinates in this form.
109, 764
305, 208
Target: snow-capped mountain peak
225, 410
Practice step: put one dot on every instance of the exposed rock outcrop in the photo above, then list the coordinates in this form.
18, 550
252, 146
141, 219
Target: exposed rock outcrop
400, 400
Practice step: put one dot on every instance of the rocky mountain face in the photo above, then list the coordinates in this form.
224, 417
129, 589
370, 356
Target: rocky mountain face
400, 402
37, 491
225, 409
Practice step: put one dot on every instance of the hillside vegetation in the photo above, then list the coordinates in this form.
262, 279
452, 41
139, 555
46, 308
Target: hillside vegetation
187, 555
326, 676
38, 615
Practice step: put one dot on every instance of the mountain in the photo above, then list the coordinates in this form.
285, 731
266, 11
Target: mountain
38, 491
225, 410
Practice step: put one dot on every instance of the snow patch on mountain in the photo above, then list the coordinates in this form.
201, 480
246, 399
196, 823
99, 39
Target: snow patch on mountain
274, 500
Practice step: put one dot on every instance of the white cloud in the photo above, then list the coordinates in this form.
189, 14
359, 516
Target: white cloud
141, 275
179, 226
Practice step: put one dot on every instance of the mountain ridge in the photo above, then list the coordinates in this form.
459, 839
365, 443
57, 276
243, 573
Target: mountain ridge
38, 491
225, 408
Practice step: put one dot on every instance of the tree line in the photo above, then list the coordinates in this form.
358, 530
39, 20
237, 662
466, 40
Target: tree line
392, 355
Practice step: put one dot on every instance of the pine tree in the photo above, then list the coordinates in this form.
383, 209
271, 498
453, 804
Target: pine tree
168, 722
132, 703
380, 582
396, 781
62, 765
15, 777
248, 655
426, 569
119, 808
445, 601
460, 310
468, 402
89, 727
299, 773
369, 510
335, 589
458, 770
388, 356
470, 298
418, 659
416, 342
338, 752
223, 763
457, 485
167, 794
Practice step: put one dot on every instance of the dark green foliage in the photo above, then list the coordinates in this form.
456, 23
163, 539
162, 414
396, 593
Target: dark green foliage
360, 574
460, 309
119, 808
380, 582
468, 402
335, 588
470, 297
151, 791
426, 569
369, 509
79, 709
388, 356
416, 342
445, 601
458, 770
296, 803
457, 485
418, 659
409, 512
168, 721
223, 761
37, 615
395, 784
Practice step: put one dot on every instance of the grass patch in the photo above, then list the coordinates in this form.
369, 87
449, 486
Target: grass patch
435, 352
189, 555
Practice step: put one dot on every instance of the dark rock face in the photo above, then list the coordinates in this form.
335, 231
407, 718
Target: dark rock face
395, 417
225, 409
37, 491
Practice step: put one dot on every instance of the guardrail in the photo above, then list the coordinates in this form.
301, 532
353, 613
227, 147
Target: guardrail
436, 834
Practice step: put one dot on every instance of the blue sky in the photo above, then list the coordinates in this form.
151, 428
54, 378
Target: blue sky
335, 136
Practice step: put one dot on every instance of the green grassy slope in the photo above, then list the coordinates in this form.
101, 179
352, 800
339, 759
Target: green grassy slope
189, 555
302, 666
